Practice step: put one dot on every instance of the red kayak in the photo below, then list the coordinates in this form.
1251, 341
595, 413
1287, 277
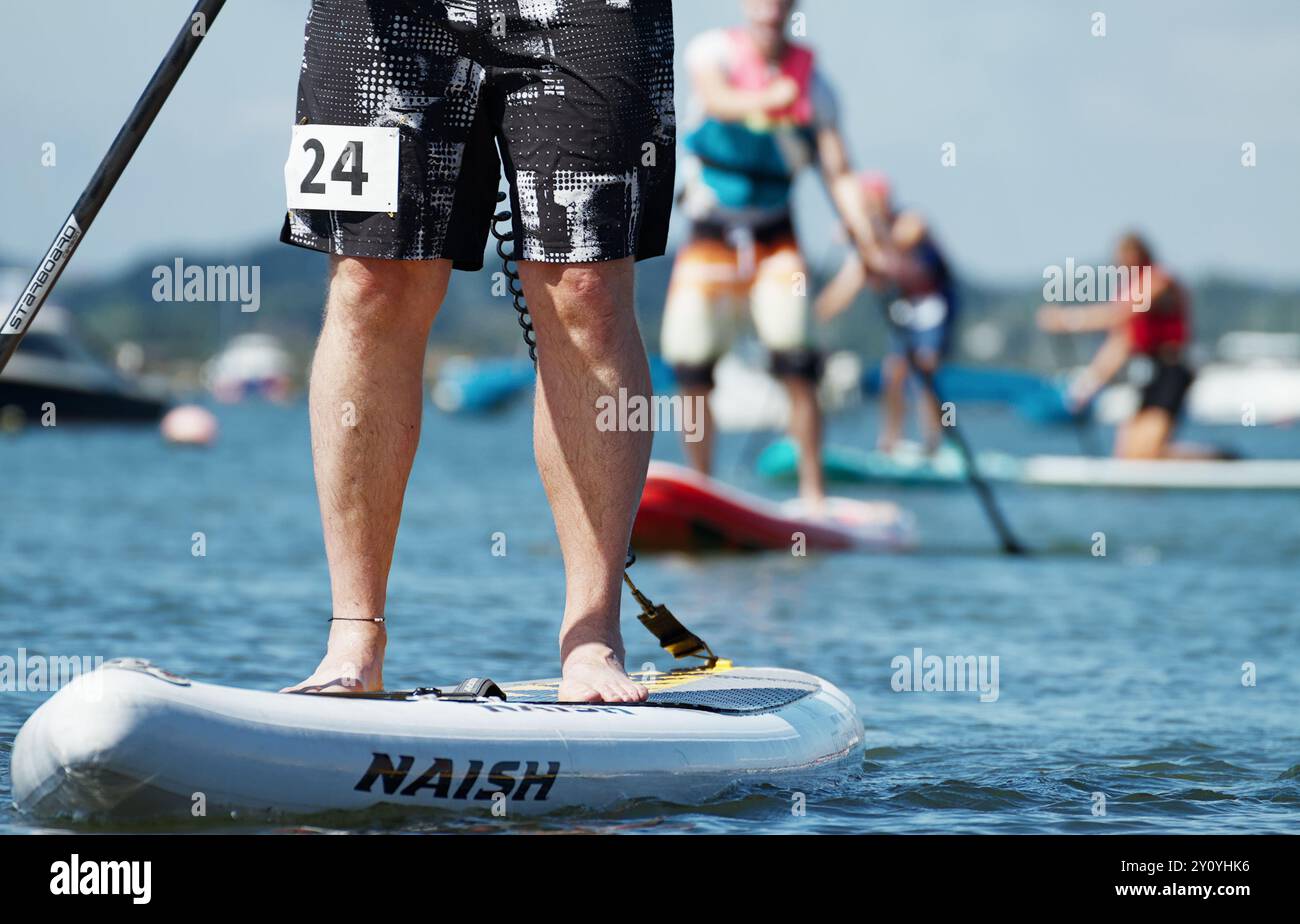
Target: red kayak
682, 510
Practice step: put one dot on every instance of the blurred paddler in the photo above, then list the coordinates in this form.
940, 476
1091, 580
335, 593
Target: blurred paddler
914, 274
1149, 315
763, 110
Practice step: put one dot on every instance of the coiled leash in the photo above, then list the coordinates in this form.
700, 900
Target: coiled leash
513, 282
673, 637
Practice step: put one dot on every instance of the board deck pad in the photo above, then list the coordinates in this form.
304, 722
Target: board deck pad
718, 689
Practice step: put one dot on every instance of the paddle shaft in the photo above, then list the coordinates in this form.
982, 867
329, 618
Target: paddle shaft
119, 154
1010, 544
1068, 355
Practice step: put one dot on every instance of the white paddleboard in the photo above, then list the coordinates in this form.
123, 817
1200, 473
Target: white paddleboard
131, 740
1171, 474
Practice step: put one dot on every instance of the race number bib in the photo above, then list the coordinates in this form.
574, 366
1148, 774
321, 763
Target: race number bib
341, 168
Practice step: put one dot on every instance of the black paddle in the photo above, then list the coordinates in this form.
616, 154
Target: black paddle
1010, 544
983, 491
101, 184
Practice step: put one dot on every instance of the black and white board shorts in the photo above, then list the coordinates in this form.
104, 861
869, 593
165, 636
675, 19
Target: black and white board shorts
573, 97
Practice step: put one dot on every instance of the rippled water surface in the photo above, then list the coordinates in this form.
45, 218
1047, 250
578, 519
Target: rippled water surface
1119, 675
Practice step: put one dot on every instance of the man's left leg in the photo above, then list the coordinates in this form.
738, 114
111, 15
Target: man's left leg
589, 346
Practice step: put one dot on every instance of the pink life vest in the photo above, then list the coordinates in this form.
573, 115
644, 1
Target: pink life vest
751, 71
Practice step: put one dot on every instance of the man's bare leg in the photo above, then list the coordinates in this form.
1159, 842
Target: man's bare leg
588, 347
806, 431
699, 452
366, 403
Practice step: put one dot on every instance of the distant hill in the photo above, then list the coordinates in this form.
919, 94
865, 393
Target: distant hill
121, 307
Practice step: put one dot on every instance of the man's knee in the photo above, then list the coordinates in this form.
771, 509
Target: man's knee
366, 280
593, 305
385, 294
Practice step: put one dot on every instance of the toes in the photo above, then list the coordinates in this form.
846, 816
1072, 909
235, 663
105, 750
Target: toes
610, 689
616, 691
637, 693
304, 688
580, 693
314, 685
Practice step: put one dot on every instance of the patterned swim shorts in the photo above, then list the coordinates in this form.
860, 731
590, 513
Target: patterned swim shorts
573, 97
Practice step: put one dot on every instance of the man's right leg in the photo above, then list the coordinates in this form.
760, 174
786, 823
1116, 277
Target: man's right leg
366, 403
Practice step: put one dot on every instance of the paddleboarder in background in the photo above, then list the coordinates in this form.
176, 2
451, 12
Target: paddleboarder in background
912, 270
580, 106
763, 111
1155, 325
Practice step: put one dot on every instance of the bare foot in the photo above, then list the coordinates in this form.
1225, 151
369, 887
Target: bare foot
593, 673
353, 662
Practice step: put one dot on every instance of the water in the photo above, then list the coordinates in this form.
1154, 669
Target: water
1118, 675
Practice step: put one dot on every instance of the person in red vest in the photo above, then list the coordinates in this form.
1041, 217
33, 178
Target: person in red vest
1150, 317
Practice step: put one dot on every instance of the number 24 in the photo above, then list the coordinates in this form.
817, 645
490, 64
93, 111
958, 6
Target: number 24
356, 176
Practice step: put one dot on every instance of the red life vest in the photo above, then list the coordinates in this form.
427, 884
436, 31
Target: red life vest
1167, 320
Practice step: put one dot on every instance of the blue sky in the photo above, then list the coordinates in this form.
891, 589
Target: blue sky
1062, 139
